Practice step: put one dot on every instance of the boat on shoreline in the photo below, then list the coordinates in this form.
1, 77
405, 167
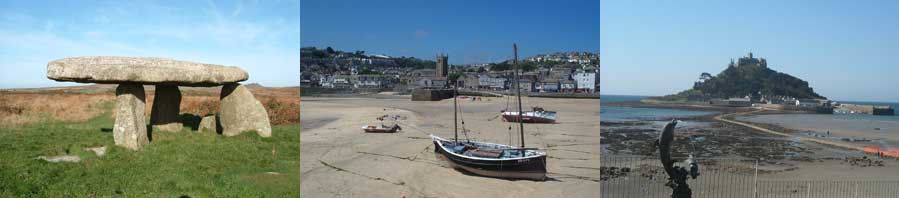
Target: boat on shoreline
382, 128
491, 159
537, 115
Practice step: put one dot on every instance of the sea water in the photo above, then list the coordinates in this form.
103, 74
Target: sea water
615, 113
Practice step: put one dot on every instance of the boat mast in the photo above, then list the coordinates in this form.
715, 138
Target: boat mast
455, 114
518, 92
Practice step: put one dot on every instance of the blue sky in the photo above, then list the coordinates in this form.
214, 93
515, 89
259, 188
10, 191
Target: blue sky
470, 31
262, 37
846, 50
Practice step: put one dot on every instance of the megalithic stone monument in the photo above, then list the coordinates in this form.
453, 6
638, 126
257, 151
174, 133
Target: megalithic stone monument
166, 108
240, 109
130, 130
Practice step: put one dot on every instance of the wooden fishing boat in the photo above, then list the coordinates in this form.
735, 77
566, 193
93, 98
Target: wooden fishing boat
538, 115
492, 159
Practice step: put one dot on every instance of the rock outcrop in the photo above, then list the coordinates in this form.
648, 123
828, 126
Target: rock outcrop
240, 111
130, 129
148, 71
165, 114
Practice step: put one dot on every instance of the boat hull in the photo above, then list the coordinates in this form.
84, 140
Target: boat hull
509, 117
373, 129
533, 168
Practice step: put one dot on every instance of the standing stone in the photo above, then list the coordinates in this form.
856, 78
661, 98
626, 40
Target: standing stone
208, 124
240, 112
166, 108
130, 130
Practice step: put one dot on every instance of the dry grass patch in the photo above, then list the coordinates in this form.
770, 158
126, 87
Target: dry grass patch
17, 109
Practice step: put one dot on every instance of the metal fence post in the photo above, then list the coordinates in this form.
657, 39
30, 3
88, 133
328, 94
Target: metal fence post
856, 189
755, 180
808, 190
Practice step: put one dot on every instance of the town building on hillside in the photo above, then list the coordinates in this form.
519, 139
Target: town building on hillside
548, 85
526, 85
373, 81
567, 86
491, 82
336, 81
585, 81
469, 81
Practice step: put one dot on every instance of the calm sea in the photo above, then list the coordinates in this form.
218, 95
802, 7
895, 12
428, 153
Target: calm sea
620, 98
613, 113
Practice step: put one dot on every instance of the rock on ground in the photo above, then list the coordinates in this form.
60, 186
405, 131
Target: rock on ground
100, 151
165, 113
240, 112
130, 130
152, 71
208, 124
61, 158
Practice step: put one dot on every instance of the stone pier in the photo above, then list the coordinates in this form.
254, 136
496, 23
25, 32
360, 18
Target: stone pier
130, 129
240, 111
166, 111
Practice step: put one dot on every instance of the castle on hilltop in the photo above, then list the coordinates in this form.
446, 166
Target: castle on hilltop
749, 61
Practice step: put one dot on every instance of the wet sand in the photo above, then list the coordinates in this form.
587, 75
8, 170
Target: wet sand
339, 160
727, 146
865, 132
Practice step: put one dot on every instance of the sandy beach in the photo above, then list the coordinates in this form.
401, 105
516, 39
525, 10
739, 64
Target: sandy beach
339, 160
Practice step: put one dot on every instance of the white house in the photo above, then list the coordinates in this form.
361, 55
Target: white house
585, 81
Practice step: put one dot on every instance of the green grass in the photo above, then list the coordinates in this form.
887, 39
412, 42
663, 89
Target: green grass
185, 164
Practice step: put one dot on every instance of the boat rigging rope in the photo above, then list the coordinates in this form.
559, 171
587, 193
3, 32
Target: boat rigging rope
462, 118
510, 123
422, 131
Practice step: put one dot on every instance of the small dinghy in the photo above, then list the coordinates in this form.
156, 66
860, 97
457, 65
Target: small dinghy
381, 128
538, 115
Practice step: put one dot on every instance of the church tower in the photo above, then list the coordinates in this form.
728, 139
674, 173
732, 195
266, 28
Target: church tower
442, 66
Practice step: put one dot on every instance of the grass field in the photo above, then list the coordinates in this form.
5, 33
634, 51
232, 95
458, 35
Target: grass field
184, 164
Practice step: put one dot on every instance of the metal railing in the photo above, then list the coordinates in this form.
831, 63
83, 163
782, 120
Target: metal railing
827, 189
724, 177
